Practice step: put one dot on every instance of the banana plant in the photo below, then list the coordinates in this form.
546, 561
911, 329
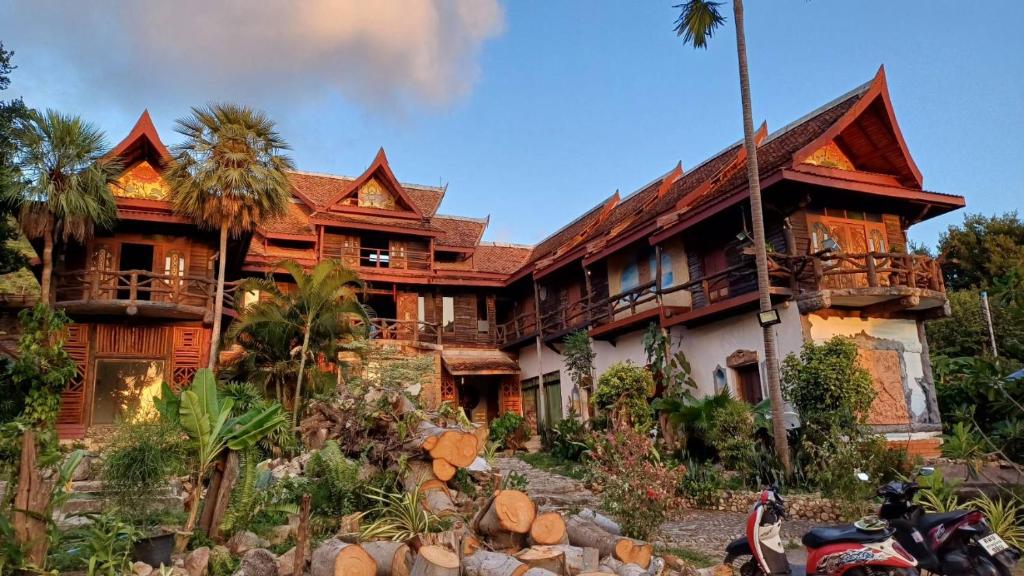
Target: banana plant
207, 420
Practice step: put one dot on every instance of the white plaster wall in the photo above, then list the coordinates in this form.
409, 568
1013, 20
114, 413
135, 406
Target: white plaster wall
903, 331
707, 346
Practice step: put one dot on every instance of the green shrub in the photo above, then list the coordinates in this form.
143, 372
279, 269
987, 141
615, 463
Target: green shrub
966, 445
138, 464
623, 391
731, 433
569, 440
702, 484
510, 430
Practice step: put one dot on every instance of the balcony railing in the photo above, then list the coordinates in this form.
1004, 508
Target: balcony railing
395, 259
796, 273
103, 289
411, 330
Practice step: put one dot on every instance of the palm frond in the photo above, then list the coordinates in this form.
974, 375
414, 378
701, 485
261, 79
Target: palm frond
698, 20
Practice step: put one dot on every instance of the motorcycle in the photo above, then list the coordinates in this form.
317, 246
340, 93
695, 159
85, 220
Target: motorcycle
958, 542
861, 549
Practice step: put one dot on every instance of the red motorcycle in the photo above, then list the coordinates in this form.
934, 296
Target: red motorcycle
853, 550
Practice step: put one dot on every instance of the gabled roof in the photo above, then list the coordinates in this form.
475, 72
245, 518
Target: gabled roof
459, 231
142, 142
379, 169
294, 222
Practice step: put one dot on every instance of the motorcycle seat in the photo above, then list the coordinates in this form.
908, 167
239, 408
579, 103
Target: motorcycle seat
929, 522
819, 537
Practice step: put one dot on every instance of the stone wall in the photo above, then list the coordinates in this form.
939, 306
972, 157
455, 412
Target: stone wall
811, 507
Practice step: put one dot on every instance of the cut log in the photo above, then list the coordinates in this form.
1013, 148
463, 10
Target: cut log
588, 535
596, 573
457, 447
623, 568
601, 521
578, 560
336, 558
492, 564
510, 511
548, 528
443, 470
435, 561
437, 498
392, 558
539, 572
482, 433
429, 443
469, 545
545, 557
418, 473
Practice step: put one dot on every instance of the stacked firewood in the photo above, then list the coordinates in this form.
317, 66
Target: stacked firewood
506, 536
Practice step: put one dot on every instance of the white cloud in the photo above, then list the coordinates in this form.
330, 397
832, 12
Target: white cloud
380, 53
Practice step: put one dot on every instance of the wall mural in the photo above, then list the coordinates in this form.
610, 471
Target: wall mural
143, 182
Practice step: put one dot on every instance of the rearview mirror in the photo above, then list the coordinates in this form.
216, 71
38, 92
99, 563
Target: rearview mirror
926, 471
862, 476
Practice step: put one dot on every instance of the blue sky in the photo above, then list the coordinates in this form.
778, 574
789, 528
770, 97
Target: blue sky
533, 111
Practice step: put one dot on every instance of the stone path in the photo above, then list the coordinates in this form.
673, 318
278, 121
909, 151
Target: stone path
703, 531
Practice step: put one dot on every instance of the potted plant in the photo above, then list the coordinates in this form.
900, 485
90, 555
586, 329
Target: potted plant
137, 469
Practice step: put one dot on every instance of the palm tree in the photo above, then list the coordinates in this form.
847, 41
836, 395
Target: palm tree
308, 320
698, 21
65, 191
229, 175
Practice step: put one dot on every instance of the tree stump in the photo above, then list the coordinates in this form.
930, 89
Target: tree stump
435, 561
548, 528
510, 511
492, 564
336, 558
392, 558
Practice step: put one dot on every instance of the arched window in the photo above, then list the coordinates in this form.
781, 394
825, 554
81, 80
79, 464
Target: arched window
174, 266
720, 378
819, 235
102, 265
667, 278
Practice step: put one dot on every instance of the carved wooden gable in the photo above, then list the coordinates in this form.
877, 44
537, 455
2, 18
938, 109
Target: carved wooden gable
143, 182
374, 195
830, 156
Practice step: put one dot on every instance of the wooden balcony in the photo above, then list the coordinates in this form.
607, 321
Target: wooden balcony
384, 258
519, 329
404, 330
138, 292
874, 282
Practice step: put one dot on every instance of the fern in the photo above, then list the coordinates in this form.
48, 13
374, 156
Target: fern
251, 496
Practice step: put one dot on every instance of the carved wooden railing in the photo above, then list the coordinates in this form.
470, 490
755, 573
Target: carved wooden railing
386, 258
871, 270
607, 309
135, 286
519, 327
393, 329
567, 317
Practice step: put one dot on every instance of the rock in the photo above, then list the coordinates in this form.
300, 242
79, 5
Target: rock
197, 561
279, 535
286, 563
141, 569
244, 541
257, 562
86, 469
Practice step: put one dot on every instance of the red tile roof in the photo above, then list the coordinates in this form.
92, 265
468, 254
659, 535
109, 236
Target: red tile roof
458, 231
294, 221
320, 188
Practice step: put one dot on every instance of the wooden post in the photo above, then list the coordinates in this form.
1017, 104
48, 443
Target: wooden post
541, 400
31, 500
819, 272
133, 287
302, 537
95, 284
657, 273
590, 295
872, 272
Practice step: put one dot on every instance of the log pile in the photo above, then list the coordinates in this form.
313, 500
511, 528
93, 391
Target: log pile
502, 535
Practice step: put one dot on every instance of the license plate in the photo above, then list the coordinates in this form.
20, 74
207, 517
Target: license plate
993, 544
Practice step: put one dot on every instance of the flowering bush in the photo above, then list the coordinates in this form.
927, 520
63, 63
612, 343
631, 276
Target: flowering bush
638, 489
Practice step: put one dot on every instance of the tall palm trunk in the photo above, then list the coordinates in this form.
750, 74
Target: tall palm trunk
298, 381
761, 255
46, 282
218, 303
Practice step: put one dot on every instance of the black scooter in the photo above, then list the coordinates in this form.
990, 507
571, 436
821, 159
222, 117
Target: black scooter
949, 543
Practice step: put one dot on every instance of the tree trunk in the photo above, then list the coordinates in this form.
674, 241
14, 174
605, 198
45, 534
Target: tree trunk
392, 558
435, 561
548, 529
509, 511
31, 500
298, 380
760, 251
222, 496
485, 563
46, 281
218, 302
336, 558
302, 536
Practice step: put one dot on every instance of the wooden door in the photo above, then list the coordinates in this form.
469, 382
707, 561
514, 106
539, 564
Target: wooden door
398, 256
717, 288
748, 383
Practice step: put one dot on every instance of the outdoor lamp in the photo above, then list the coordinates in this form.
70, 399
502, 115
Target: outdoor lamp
768, 318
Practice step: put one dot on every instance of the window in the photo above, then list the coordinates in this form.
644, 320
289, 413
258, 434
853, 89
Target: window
126, 388
174, 266
102, 259
250, 297
720, 379
482, 325
630, 277
667, 278
819, 235
421, 309
448, 314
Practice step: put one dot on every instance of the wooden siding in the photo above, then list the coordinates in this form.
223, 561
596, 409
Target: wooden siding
895, 233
